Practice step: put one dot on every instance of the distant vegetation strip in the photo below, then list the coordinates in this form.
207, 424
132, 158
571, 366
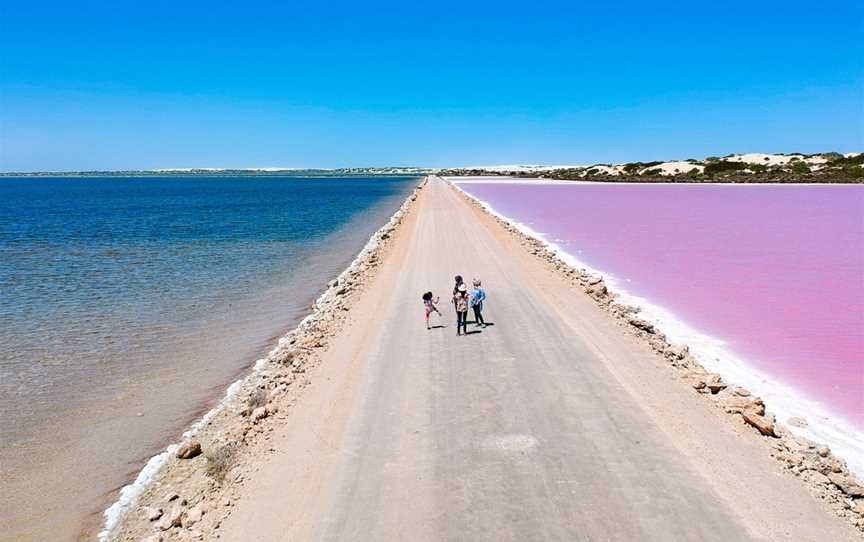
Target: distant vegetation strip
829, 167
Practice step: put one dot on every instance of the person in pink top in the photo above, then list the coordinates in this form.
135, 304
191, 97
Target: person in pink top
429, 303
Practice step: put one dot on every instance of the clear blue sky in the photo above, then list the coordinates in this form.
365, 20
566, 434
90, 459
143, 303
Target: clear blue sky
115, 85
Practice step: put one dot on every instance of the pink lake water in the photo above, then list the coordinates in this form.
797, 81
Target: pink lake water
774, 274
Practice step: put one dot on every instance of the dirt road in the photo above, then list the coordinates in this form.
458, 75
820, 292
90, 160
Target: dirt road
551, 424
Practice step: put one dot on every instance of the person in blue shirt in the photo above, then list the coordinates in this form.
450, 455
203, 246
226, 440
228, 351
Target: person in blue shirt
478, 296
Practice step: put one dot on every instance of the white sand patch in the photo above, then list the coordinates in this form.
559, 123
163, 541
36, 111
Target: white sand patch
674, 168
764, 159
770, 159
602, 169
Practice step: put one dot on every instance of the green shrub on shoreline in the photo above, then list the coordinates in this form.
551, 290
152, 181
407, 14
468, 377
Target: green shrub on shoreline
721, 166
634, 168
799, 167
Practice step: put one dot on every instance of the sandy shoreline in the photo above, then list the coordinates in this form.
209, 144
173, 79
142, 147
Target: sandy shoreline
244, 439
293, 352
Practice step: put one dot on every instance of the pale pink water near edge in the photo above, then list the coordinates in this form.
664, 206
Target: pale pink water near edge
775, 272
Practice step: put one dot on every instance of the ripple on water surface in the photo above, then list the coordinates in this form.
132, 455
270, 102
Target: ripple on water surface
147, 295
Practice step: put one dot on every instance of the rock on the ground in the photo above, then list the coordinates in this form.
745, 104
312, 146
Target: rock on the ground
171, 495
597, 290
847, 485
735, 404
764, 424
658, 344
188, 450
151, 513
174, 518
641, 324
677, 352
285, 357
816, 477
716, 387
194, 515
259, 414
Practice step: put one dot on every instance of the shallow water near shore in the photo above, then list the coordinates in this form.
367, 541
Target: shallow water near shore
765, 282
128, 305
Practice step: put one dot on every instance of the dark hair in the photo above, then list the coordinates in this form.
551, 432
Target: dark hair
458, 279
427, 296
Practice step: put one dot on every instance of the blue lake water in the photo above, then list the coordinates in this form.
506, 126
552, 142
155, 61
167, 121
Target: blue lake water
128, 304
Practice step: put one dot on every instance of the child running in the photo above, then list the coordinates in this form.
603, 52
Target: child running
429, 303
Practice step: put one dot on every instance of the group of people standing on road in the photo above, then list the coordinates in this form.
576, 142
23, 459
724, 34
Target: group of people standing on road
463, 299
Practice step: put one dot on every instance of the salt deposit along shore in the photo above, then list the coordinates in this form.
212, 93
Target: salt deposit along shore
568, 419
